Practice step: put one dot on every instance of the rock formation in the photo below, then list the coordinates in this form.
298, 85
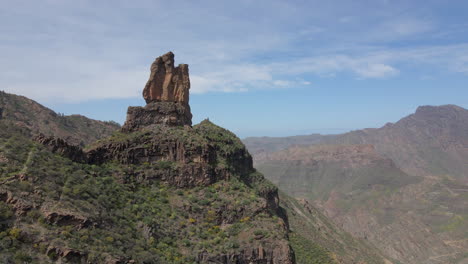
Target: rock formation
157, 113
62, 147
167, 96
167, 83
204, 168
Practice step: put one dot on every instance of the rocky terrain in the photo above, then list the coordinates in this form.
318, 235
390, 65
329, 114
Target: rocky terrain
315, 239
433, 140
75, 129
158, 191
401, 187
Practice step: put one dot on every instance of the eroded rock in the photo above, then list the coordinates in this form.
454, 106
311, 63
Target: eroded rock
167, 96
167, 83
59, 255
157, 113
20, 205
61, 147
61, 217
277, 253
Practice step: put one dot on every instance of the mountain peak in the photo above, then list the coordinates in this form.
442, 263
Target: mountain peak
167, 96
442, 109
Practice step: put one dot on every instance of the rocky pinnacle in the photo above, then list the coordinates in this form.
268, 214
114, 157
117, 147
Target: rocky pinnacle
167, 83
167, 96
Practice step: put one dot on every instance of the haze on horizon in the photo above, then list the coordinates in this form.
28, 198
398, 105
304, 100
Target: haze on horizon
271, 68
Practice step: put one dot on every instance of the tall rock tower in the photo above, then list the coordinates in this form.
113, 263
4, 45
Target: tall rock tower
167, 97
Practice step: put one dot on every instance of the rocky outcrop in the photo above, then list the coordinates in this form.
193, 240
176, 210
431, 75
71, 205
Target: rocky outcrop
62, 218
183, 156
159, 178
157, 113
279, 254
20, 205
65, 255
167, 96
167, 83
61, 147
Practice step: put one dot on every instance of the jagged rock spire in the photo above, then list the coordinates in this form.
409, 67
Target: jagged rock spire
167, 83
167, 96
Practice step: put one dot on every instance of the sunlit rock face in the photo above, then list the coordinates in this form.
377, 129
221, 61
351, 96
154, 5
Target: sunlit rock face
167, 83
167, 96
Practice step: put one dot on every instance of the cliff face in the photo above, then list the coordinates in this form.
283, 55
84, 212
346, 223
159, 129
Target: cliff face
203, 154
157, 113
167, 83
158, 191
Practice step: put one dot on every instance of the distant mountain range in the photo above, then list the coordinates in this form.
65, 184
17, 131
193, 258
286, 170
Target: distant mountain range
433, 140
402, 187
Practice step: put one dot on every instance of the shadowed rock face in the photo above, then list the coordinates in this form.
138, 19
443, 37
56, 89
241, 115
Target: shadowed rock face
167, 83
157, 113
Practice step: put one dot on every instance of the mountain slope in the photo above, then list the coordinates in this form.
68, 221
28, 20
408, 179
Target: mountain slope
409, 218
261, 146
158, 191
313, 172
76, 129
433, 140
402, 187
54, 209
315, 239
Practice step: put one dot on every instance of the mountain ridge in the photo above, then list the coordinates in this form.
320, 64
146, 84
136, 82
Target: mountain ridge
400, 186
415, 133
76, 129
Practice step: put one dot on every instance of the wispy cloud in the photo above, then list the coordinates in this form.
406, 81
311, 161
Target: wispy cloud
82, 50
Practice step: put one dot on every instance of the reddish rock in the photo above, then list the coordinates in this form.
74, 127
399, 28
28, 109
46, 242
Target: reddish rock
157, 113
167, 96
167, 83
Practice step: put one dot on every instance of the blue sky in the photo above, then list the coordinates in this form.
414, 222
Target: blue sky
271, 68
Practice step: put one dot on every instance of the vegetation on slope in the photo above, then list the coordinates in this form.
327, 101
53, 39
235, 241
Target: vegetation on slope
315, 239
52, 208
410, 218
76, 129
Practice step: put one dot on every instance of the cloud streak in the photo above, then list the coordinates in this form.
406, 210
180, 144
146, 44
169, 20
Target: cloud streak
81, 50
